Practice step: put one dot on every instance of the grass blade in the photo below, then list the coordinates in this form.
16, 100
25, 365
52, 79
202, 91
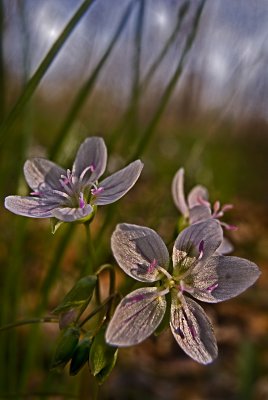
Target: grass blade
149, 130
43, 67
88, 86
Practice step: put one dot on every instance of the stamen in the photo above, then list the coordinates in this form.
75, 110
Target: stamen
164, 271
216, 207
201, 249
163, 292
60, 193
97, 191
212, 287
90, 168
228, 226
64, 184
152, 266
81, 201
227, 207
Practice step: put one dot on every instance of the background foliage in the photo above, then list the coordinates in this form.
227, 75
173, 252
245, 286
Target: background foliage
147, 101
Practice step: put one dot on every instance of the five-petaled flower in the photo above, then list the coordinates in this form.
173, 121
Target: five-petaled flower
198, 271
71, 195
198, 208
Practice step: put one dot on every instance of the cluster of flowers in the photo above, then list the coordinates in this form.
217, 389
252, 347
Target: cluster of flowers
199, 266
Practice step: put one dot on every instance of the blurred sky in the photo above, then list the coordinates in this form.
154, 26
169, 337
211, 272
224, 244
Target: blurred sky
230, 53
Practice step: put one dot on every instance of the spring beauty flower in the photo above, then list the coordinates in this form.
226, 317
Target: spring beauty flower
198, 271
198, 208
70, 195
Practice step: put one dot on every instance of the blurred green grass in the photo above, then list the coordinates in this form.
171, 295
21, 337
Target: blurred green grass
37, 268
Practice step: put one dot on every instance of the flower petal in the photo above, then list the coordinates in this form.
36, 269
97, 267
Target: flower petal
39, 171
91, 153
28, 206
69, 214
137, 316
197, 242
226, 247
222, 278
138, 251
193, 331
199, 213
178, 192
118, 184
197, 195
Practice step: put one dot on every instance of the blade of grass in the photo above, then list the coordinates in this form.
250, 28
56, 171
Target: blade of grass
154, 66
13, 280
33, 337
2, 76
149, 75
88, 86
134, 115
34, 81
149, 130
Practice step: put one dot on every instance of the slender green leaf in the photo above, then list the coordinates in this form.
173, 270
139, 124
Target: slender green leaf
43, 67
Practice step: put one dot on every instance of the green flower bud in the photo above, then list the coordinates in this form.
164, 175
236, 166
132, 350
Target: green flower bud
79, 296
102, 357
65, 348
80, 356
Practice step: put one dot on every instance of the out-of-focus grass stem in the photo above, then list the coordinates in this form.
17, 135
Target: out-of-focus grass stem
154, 66
33, 337
88, 86
149, 130
2, 77
134, 101
34, 81
148, 77
90, 264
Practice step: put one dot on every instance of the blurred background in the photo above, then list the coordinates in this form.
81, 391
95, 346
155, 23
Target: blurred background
175, 83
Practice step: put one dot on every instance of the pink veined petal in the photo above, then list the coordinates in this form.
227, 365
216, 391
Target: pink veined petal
199, 213
187, 244
178, 192
28, 207
138, 251
69, 214
193, 331
197, 196
222, 278
91, 155
118, 184
136, 317
39, 171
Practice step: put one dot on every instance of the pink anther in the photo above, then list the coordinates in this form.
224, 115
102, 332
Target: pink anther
97, 191
212, 287
152, 266
81, 201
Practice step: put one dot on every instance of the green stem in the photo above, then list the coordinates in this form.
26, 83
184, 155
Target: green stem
89, 268
29, 321
97, 310
111, 271
33, 337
